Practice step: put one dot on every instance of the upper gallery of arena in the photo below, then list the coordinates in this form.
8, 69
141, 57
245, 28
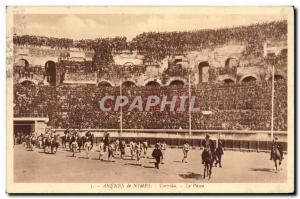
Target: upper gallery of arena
227, 55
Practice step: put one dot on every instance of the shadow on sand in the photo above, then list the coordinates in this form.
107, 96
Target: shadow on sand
82, 157
103, 160
262, 169
178, 161
70, 156
149, 167
133, 164
191, 175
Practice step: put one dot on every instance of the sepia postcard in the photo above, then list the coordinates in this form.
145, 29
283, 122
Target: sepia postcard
150, 100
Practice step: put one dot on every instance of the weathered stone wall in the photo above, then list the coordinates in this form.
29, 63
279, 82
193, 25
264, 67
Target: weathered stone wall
216, 58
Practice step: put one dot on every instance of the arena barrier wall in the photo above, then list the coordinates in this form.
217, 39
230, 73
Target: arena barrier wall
241, 140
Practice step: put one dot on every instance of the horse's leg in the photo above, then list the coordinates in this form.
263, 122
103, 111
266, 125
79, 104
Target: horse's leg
87, 152
51, 148
205, 170
275, 162
74, 152
210, 168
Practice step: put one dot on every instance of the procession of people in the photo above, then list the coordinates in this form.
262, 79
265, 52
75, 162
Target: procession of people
75, 141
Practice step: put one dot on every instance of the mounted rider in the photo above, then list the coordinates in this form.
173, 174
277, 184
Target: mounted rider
46, 138
208, 145
276, 145
89, 138
55, 137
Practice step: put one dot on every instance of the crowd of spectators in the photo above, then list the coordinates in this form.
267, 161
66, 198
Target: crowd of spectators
43, 41
175, 71
237, 106
78, 106
32, 100
157, 45
117, 43
276, 60
28, 72
80, 77
121, 71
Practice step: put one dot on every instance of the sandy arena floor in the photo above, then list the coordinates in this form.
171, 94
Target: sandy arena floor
35, 166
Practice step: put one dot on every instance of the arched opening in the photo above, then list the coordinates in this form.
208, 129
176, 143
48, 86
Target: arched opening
231, 63
271, 55
128, 84
27, 83
23, 63
177, 83
284, 51
152, 84
249, 79
104, 84
22, 68
277, 77
127, 64
177, 61
50, 70
228, 81
203, 68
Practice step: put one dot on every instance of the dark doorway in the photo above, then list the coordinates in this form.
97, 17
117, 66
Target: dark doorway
104, 84
203, 68
249, 79
50, 69
152, 84
21, 129
128, 84
228, 81
276, 78
177, 83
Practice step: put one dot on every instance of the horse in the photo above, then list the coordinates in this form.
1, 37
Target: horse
68, 140
54, 144
64, 141
47, 144
276, 157
208, 159
81, 143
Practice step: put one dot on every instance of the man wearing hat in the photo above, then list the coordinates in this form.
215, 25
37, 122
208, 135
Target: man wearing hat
219, 153
275, 144
106, 138
208, 144
157, 155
